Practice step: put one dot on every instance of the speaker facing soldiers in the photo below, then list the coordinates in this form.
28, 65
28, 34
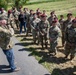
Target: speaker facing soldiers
43, 29
70, 37
54, 33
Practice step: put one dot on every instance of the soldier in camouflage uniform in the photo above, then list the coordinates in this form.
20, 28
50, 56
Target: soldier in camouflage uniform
15, 15
10, 18
7, 45
3, 14
30, 19
43, 29
54, 33
34, 27
51, 18
61, 21
70, 37
66, 23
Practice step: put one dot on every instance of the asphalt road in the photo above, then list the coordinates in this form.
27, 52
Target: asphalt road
28, 64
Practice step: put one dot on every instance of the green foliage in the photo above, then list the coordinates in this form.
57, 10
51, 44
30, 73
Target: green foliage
18, 3
3, 4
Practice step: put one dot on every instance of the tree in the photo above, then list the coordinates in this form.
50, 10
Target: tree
18, 3
3, 4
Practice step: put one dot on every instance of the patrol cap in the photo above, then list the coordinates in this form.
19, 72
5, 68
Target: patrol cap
69, 14
74, 20
43, 15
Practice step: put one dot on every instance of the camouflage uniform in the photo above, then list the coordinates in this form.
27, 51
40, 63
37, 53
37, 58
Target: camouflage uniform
50, 19
34, 27
11, 20
65, 24
43, 29
70, 37
54, 33
4, 15
16, 14
61, 21
30, 20
5, 34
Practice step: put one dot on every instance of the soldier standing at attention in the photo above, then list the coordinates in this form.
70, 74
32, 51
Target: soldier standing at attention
66, 23
15, 15
54, 33
51, 18
34, 27
70, 37
43, 29
30, 19
61, 21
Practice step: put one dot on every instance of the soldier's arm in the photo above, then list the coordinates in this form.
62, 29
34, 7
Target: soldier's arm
66, 34
58, 34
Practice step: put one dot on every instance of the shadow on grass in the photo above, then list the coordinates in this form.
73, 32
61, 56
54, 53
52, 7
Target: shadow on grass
45, 56
66, 71
24, 44
28, 39
4, 69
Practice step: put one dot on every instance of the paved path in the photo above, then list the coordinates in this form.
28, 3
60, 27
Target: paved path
28, 64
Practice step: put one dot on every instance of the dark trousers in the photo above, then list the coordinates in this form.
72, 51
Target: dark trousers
22, 24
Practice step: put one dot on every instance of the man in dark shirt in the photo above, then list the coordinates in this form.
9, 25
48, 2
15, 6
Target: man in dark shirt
22, 19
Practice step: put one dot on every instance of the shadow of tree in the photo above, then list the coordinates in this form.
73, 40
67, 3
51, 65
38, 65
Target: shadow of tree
24, 44
66, 71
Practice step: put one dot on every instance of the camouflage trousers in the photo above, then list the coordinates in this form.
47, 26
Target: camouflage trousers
34, 34
63, 38
53, 47
28, 25
17, 24
70, 50
43, 39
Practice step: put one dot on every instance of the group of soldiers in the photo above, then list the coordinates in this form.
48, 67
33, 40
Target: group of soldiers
43, 27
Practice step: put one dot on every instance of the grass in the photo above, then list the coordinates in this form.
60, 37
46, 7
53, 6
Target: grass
61, 7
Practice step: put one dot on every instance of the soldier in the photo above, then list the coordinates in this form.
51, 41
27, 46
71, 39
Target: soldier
54, 33
15, 15
6, 45
61, 21
34, 27
51, 18
10, 18
66, 23
43, 29
30, 22
70, 37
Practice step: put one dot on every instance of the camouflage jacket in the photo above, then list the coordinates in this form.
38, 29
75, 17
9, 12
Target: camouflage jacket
54, 33
70, 35
34, 25
43, 27
66, 24
5, 39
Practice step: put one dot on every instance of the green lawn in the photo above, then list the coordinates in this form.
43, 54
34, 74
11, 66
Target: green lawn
61, 7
